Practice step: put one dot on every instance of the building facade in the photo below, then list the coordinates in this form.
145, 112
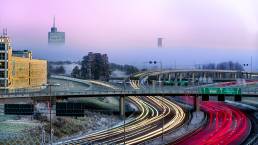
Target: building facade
18, 69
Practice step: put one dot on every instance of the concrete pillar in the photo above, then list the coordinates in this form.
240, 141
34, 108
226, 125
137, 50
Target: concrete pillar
160, 79
238, 98
122, 106
153, 84
205, 77
205, 97
193, 78
221, 97
196, 103
220, 75
180, 77
169, 77
176, 82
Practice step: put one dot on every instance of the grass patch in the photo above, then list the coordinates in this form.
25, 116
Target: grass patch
6, 127
8, 117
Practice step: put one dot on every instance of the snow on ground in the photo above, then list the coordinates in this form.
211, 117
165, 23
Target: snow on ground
98, 122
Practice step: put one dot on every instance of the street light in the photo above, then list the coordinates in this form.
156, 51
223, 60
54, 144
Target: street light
50, 107
124, 87
162, 97
251, 64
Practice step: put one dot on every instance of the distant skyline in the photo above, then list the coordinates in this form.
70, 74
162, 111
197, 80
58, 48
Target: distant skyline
198, 31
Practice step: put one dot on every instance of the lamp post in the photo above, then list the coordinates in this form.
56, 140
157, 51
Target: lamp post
155, 62
249, 75
162, 97
124, 83
50, 107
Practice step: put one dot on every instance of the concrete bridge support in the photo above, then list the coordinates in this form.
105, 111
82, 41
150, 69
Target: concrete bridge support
193, 78
205, 97
169, 77
122, 106
220, 75
196, 103
238, 98
159, 78
180, 77
221, 97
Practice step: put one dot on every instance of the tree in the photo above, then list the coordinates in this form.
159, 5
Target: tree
229, 65
60, 70
76, 72
128, 69
84, 70
95, 66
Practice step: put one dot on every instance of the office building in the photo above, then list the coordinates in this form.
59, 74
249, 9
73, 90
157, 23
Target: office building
18, 69
55, 37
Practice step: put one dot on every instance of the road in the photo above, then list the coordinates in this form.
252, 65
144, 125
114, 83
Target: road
226, 125
148, 124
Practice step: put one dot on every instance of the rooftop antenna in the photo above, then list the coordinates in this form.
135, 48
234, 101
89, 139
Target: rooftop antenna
54, 22
5, 32
160, 43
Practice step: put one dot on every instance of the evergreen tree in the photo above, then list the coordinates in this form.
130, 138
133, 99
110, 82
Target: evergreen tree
76, 72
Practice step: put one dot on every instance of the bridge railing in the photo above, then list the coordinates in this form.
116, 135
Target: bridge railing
106, 92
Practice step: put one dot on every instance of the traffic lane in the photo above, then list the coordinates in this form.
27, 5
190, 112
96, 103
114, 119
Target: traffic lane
227, 125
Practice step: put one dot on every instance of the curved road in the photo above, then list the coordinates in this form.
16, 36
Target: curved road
147, 125
227, 125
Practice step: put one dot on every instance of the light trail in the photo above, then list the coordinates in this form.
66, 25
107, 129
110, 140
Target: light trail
227, 126
145, 126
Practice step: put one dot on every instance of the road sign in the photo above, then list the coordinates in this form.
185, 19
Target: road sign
218, 91
18, 109
69, 109
209, 91
232, 91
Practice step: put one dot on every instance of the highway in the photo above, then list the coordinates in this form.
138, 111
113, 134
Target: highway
147, 125
227, 125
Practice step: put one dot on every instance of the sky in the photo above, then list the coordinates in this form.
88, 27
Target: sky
194, 31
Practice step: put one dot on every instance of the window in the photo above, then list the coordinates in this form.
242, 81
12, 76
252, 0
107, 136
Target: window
2, 65
2, 83
2, 46
2, 56
1, 74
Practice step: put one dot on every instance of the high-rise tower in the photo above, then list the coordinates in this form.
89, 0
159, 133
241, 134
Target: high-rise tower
54, 36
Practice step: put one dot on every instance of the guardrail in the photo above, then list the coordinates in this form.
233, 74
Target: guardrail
109, 92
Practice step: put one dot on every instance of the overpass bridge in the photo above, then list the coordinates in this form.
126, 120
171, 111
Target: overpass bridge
177, 91
109, 90
195, 76
196, 92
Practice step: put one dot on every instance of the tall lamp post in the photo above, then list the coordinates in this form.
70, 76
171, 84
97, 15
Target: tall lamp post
50, 85
155, 62
162, 97
124, 83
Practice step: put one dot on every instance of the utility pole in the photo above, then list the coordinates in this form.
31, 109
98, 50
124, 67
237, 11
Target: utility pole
162, 97
124, 109
50, 109
251, 64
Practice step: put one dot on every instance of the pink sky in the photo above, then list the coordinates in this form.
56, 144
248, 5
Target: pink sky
226, 28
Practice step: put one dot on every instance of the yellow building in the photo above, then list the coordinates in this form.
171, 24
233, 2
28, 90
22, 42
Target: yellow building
18, 69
